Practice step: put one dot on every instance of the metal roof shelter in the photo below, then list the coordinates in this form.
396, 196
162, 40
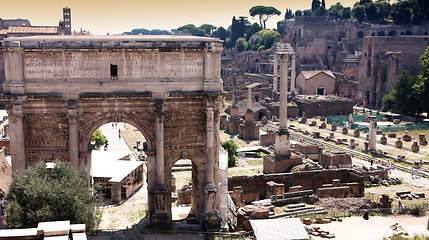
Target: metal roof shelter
279, 229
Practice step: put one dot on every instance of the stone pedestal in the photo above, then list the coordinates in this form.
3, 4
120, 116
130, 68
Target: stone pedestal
415, 147
391, 135
161, 218
303, 118
352, 143
356, 133
234, 121
334, 127
237, 196
274, 163
366, 147
323, 125
398, 143
406, 137
313, 123
372, 133
383, 139
250, 129
211, 216
422, 140
316, 134
345, 131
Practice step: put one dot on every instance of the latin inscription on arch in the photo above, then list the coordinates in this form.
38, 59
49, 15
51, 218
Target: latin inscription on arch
96, 65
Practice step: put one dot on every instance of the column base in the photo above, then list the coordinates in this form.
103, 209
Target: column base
211, 220
161, 218
162, 221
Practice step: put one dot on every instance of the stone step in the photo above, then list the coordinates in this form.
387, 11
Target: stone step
295, 205
299, 209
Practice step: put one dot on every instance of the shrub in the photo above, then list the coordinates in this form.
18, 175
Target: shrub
51, 194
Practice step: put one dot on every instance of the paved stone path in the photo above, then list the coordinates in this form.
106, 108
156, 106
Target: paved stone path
112, 134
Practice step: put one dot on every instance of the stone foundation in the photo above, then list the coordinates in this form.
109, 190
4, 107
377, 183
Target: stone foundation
280, 163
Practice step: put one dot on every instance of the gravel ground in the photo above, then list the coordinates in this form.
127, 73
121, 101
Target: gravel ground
351, 204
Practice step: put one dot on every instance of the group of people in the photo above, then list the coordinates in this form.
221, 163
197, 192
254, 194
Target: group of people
387, 164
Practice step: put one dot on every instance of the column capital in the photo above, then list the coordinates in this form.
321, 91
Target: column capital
159, 107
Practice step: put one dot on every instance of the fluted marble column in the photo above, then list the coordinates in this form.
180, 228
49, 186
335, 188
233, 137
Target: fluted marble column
275, 72
159, 140
293, 74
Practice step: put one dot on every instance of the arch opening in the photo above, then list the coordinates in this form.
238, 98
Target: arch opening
118, 163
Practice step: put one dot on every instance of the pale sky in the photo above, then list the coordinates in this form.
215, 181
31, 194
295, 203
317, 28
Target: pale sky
106, 16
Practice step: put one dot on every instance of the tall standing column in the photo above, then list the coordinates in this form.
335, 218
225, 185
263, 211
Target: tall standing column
159, 139
73, 135
17, 145
372, 133
211, 217
282, 146
293, 74
249, 98
275, 72
210, 141
283, 90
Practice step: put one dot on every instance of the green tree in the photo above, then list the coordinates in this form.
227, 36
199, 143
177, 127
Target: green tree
401, 12
423, 85
288, 14
264, 13
231, 147
207, 28
220, 33
321, 11
240, 45
371, 12
251, 30
298, 13
383, 10
307, 13
358, 13
51, 194
323, 4
404, 98
346, 13
99, 139
315, 4
191, 29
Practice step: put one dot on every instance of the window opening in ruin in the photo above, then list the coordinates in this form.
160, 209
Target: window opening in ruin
320, 91
114, 71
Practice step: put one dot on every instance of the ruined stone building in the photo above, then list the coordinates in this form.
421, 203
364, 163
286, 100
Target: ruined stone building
370, 56
364, 58
384, 57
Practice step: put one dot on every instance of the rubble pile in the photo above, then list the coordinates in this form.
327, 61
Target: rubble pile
351, 204
316, 231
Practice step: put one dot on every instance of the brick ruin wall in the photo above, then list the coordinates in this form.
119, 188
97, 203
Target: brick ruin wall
254, 187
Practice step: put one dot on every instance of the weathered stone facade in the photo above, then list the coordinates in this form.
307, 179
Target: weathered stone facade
59, 90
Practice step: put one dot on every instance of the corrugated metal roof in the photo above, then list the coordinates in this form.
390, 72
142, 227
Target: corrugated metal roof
105, 164
33, 30
312, 73
279, 229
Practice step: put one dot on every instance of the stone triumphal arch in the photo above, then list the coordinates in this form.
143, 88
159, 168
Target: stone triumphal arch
59, 89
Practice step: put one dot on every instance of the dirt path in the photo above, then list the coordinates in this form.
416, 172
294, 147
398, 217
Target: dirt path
376, 228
